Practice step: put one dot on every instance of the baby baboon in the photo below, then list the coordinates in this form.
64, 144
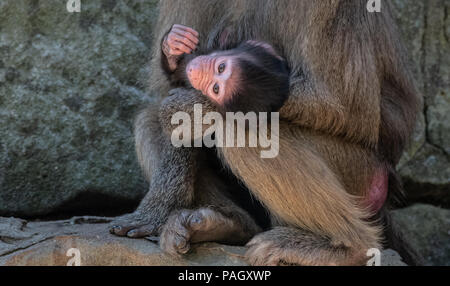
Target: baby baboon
250, 77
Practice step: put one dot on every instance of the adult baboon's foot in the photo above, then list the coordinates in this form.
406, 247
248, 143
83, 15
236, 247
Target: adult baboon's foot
134, 225
201, 225
289, 246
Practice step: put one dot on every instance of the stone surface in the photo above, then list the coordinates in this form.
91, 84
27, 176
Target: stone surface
426, 177
427, 228
391, 258
425, 27
70, 85
48, 244
438, 115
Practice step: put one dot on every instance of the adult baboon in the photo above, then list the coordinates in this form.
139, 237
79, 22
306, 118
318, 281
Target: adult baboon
349, 115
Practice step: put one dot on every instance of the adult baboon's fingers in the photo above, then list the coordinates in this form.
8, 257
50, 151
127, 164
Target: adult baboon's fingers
175, 243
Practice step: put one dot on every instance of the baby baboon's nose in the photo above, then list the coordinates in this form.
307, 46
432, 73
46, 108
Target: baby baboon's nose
193, 68
190, 71
193, 71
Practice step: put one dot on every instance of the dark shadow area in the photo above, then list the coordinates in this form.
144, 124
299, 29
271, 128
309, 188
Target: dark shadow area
427, 194
93, 204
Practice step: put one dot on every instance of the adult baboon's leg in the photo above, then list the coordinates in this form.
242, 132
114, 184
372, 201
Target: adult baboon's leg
216, 218
171, 173
320, 222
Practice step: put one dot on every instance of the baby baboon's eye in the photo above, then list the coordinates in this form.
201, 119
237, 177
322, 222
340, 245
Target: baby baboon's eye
222, 67
216, 88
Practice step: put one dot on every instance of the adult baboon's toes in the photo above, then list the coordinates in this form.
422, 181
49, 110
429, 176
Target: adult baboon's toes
143, 231
119, 230
126, 224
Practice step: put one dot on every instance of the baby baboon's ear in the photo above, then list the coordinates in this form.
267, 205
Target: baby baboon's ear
266, 46
224, 39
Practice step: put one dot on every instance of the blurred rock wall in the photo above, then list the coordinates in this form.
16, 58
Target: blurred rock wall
425, 168
70, 85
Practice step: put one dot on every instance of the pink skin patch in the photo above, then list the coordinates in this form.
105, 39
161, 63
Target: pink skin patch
376, 197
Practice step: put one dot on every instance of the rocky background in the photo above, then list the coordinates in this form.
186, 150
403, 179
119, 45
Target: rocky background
70, 85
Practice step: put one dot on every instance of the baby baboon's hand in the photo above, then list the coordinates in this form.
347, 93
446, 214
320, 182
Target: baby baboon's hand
180, 40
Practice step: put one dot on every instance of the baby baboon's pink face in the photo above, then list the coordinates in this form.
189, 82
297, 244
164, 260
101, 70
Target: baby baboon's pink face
215, 75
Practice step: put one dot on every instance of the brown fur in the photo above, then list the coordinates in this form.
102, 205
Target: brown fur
351, 110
